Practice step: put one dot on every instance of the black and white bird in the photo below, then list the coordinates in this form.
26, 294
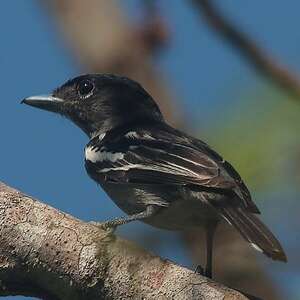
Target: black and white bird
153, 172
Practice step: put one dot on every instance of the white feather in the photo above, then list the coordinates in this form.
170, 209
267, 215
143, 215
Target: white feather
132, 134
101, 136
141, 135
168, 168
256, 247
94, 155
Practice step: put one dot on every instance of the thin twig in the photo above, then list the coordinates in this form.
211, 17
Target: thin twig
257, 58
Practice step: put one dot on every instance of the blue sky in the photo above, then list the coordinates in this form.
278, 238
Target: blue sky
42, 154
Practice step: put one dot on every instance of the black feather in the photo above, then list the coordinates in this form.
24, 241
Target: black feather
254, 231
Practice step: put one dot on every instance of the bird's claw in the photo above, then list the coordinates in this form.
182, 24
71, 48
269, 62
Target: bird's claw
199, 270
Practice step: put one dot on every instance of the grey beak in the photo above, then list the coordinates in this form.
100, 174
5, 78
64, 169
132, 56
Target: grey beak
45, 102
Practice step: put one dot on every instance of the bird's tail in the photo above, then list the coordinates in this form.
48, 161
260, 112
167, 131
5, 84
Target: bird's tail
255, 232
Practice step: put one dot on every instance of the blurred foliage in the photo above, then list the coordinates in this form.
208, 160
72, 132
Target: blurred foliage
259, 135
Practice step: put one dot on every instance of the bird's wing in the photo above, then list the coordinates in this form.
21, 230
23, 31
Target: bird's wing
164, 157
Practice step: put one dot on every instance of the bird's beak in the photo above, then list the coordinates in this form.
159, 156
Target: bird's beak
45, 102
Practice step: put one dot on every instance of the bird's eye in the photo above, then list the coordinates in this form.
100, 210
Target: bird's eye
85, 88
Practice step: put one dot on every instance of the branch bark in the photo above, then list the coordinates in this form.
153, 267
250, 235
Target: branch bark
49, 254
255, 56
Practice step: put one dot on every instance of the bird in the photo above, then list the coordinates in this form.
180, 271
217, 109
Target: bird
153, 172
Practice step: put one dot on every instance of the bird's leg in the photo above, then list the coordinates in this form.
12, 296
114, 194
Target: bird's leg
210, 231
112, 224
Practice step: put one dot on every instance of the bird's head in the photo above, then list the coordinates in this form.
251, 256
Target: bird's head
99, 102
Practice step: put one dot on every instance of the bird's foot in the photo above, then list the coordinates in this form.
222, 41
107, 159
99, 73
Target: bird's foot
208, 273
199, 270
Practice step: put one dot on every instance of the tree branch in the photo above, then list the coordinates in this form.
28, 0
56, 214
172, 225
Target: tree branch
257, 58
48, 254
